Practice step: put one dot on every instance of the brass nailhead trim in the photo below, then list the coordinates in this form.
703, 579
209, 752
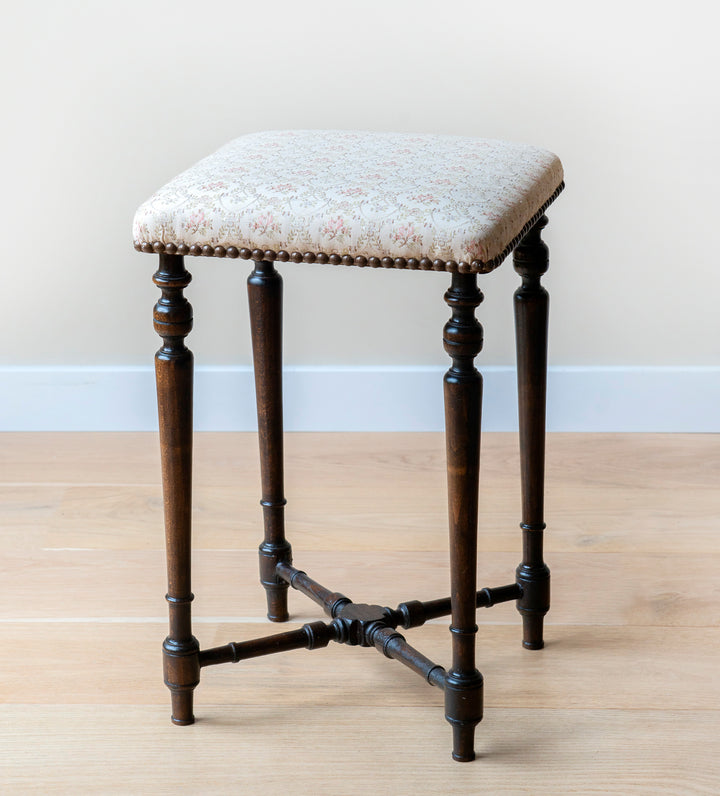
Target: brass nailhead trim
410, 263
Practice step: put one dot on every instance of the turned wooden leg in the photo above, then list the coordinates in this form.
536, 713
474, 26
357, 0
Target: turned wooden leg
174, 375
531, 327
265, 296
463, 337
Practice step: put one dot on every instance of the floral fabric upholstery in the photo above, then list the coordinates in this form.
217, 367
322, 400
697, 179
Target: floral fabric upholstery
356, 193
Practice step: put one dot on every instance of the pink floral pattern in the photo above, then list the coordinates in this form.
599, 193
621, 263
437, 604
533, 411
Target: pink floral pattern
357, 193
196, 223
265, 224
406, 235
335, 229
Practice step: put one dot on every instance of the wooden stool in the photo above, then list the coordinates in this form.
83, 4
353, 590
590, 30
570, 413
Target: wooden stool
415, 202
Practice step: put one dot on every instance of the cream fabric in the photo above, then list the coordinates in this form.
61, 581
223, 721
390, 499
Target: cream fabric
355, 193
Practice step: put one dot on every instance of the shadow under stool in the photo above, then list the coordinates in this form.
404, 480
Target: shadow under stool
378, 200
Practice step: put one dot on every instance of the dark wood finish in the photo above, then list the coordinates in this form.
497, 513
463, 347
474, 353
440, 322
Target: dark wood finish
463, 338
531, 326
330, 601
313, 635
393, 645
413, 613
174, 375
355, 624
359, 624
420, 612
265, 297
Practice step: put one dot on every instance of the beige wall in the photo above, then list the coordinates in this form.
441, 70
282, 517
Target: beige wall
103, 102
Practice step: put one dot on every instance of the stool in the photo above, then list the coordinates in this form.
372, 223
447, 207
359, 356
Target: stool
379, 200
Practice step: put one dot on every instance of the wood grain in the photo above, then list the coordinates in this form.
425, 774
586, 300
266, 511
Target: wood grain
231, 750
582, 666
624, 699
620, 588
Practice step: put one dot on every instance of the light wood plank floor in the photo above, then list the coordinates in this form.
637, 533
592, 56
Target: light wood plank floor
624, 698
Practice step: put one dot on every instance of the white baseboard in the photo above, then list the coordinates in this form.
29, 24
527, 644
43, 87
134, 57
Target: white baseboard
679, 399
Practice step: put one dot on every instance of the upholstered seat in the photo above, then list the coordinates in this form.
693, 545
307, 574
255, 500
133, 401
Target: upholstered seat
435, 202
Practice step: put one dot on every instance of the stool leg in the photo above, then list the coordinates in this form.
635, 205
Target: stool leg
531, 327
174, 376
463, 399
265, 296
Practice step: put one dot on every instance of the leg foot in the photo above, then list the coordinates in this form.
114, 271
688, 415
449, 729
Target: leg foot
181, 666
463, 743
533, 631
182, 707
463, 710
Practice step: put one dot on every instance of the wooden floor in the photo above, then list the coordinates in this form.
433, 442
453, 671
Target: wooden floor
625, 698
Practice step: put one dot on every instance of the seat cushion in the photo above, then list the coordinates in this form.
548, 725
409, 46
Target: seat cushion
394, 199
